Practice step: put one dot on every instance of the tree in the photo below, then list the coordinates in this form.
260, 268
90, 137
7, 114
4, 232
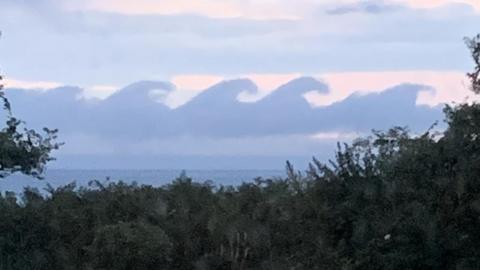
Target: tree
388, 201
21, 149
474, 46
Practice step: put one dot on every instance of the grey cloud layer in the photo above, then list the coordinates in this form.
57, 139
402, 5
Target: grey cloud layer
42, 41
131, 128
131, 113
369, 7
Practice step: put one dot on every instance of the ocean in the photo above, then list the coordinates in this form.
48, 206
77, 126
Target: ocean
17, 182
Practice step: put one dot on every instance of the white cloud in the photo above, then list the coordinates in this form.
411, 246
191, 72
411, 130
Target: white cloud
335, 136
30, 85
99, 91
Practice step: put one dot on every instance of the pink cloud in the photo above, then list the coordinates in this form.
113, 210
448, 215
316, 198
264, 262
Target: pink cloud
261, 10
266, 83
440, 86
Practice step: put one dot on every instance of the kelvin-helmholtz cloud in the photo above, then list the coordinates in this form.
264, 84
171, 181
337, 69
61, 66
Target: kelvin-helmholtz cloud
134, 122
222, 80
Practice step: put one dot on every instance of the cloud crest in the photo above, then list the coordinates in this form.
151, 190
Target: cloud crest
133, 125
440, 87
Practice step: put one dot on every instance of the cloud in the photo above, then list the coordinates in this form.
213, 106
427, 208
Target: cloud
132, 125
217, 112
88, 47
89, 92
439, 86
368, 7
99, 91
261, 10
256, 10
195, 82
375, 71
266, 84
188, 86
429, 4
336, 136
31, 85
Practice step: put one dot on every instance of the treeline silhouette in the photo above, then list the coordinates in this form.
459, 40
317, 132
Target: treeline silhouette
389, 201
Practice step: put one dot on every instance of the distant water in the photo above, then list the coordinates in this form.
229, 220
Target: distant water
55, 178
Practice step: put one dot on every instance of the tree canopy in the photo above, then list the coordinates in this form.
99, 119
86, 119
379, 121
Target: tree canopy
21, 149
388, 201
474, 46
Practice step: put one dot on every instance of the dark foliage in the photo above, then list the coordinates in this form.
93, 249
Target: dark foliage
474, 46
389, 201
21, 149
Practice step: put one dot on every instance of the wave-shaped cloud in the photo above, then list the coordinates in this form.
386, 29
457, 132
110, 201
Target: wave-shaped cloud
440, 87
132, 124
139, 111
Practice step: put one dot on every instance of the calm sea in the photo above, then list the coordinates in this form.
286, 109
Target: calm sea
55, 178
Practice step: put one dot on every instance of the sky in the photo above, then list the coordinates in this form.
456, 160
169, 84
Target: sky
353, 47
104, 45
